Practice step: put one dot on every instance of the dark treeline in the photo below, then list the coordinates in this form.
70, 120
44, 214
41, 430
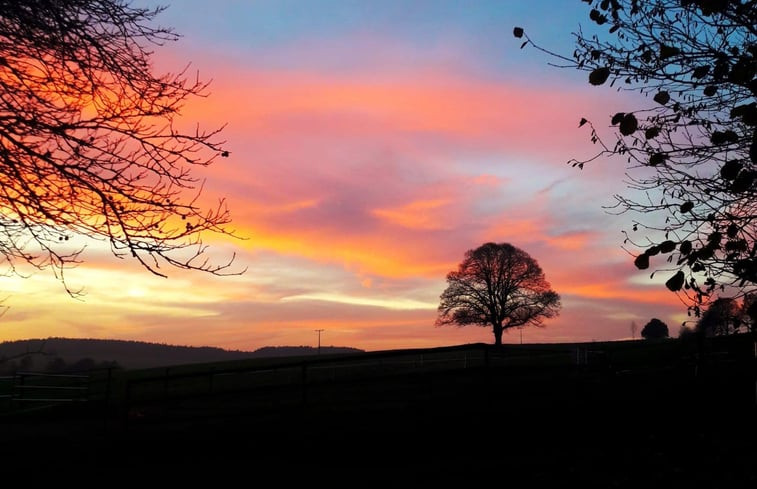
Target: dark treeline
68, 354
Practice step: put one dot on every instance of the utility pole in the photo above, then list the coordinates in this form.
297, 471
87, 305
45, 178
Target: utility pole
319, 339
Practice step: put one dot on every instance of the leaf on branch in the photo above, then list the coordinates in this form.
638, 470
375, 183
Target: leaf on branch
724, 137
730, 169
685, 247
687, 206
599, 75
642, 261
675, 282
743, 182
667, 246
700, 71
657, 159
662, 97
668, 51
617, 118
747, 113
597, 16
582, 121
742, 72
629, 124
710, 90
652, 132
739, 245
518, 32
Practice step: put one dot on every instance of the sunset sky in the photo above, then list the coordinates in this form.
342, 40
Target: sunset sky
371, 145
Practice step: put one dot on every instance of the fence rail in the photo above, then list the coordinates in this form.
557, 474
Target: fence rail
295, 381
287, 380
24, 389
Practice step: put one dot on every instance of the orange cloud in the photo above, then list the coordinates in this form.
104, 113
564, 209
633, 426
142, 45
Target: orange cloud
422, 214
573, 241
373, 254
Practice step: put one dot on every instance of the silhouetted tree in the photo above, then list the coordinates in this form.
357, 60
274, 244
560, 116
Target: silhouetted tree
690, 140
82, 365
26, 363
749, 313
25, 358
56, 365
724, 316
89, 140
654, 329
497, 285
687, 334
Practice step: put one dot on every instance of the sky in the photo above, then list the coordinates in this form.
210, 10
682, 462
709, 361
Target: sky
371, 145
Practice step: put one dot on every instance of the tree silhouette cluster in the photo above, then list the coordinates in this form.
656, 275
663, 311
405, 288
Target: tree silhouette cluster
654, 329
89, 143
497, 285
690, 144
726, 316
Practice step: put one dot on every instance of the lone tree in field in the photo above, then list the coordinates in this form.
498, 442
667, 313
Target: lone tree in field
89, 140
654, 329
497, 285
689, 142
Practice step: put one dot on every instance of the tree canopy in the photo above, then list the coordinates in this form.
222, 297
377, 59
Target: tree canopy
89, 140
654, 329
689, 142
497, 285
726, 316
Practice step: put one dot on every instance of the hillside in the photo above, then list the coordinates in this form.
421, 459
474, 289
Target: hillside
640, 416
135, 354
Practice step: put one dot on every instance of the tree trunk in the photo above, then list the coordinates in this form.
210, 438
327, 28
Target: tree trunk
498, 334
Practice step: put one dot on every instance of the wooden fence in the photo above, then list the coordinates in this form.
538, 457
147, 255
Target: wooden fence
32, 390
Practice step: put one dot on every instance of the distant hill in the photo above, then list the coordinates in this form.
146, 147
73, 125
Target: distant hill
296, 351
134, 354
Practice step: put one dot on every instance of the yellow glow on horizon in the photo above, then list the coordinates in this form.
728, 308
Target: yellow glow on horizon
355, 253
395, 304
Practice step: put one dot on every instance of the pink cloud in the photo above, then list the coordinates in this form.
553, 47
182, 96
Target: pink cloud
388, 178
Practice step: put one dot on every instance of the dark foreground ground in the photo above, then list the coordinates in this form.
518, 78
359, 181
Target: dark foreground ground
559, 427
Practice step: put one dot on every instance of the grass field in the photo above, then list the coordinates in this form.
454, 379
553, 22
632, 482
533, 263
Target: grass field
619, 414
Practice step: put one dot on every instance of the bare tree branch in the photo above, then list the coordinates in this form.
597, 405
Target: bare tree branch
89, 143
691, 151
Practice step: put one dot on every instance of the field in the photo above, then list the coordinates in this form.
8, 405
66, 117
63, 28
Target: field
620, 414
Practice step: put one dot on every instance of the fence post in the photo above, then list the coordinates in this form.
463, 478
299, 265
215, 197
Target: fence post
20, 391
106, 399
165, 383
107, 385
127, 403
304, 383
